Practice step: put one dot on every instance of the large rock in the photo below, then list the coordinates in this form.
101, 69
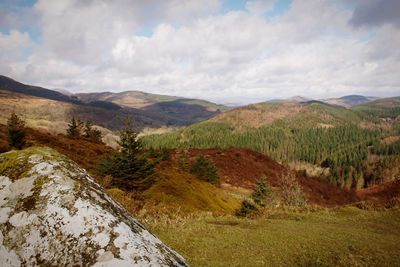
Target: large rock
52, 213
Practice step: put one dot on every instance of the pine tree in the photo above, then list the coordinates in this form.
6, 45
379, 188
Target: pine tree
131, 146
129, 168
262, 190
205, 169
74, 128
87, 131
16, 131
91, 133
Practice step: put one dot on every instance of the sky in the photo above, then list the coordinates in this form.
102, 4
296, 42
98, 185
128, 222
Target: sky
231, 52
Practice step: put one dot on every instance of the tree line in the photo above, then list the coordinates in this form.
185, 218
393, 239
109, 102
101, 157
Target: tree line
344, 149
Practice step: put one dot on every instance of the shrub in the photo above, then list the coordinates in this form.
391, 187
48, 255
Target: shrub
260, 197
159, 155
16, 131
292, 193
247, 208
205, 169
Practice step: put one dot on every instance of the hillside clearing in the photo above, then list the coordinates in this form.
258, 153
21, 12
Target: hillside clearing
346, 237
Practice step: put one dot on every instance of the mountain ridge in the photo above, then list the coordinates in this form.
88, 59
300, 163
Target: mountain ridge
160, 111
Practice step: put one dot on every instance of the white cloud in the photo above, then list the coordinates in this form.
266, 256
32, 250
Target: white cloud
196, 51
13, 47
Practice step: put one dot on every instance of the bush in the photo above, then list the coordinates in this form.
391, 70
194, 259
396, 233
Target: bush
261, 196
16, 131
205, 170
247, 208
159, 155
292, 192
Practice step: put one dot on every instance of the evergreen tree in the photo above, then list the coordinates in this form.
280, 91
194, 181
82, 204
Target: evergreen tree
87, 131
16, 131
131, 146
205, 170
129, 168
262, 190
91, 133
74, 128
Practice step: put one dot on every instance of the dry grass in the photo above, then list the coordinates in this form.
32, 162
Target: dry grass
311, 169
258, 115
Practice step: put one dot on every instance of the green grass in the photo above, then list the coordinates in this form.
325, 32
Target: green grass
348, 237
188, 193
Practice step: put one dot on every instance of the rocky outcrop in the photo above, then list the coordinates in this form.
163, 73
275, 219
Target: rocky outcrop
52, 213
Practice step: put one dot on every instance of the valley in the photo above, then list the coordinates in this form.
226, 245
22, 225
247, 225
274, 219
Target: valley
221, 133
332, 173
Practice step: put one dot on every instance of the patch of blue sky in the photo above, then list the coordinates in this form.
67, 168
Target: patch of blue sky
14, 5
233, 5
280, 8
146, 31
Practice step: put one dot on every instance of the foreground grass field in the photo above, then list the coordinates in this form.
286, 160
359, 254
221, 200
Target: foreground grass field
345, 237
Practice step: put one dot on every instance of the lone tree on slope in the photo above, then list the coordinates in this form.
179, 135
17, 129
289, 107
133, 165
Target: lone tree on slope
16, 131
74, 128
129, 168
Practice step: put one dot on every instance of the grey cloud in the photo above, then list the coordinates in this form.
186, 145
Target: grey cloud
376, 13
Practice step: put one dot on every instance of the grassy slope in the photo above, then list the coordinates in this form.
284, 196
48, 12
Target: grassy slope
345, 237
186, 192
173, 189
342, 238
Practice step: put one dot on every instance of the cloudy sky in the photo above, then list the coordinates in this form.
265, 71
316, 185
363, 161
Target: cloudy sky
225, 51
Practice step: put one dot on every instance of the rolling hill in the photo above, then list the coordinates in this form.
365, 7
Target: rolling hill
11, 85
311, 113
324, 135
347, 101
105, 109
142, 100
350, 100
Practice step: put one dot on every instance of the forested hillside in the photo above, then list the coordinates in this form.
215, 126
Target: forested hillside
348, 142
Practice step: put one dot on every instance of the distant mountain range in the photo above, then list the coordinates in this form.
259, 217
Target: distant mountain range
154, 110
107, 109
347, 101
350, 100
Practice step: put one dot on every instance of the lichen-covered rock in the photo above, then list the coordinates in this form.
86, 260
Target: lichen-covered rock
52, 213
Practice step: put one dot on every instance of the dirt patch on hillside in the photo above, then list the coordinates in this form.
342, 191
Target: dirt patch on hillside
244, 167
